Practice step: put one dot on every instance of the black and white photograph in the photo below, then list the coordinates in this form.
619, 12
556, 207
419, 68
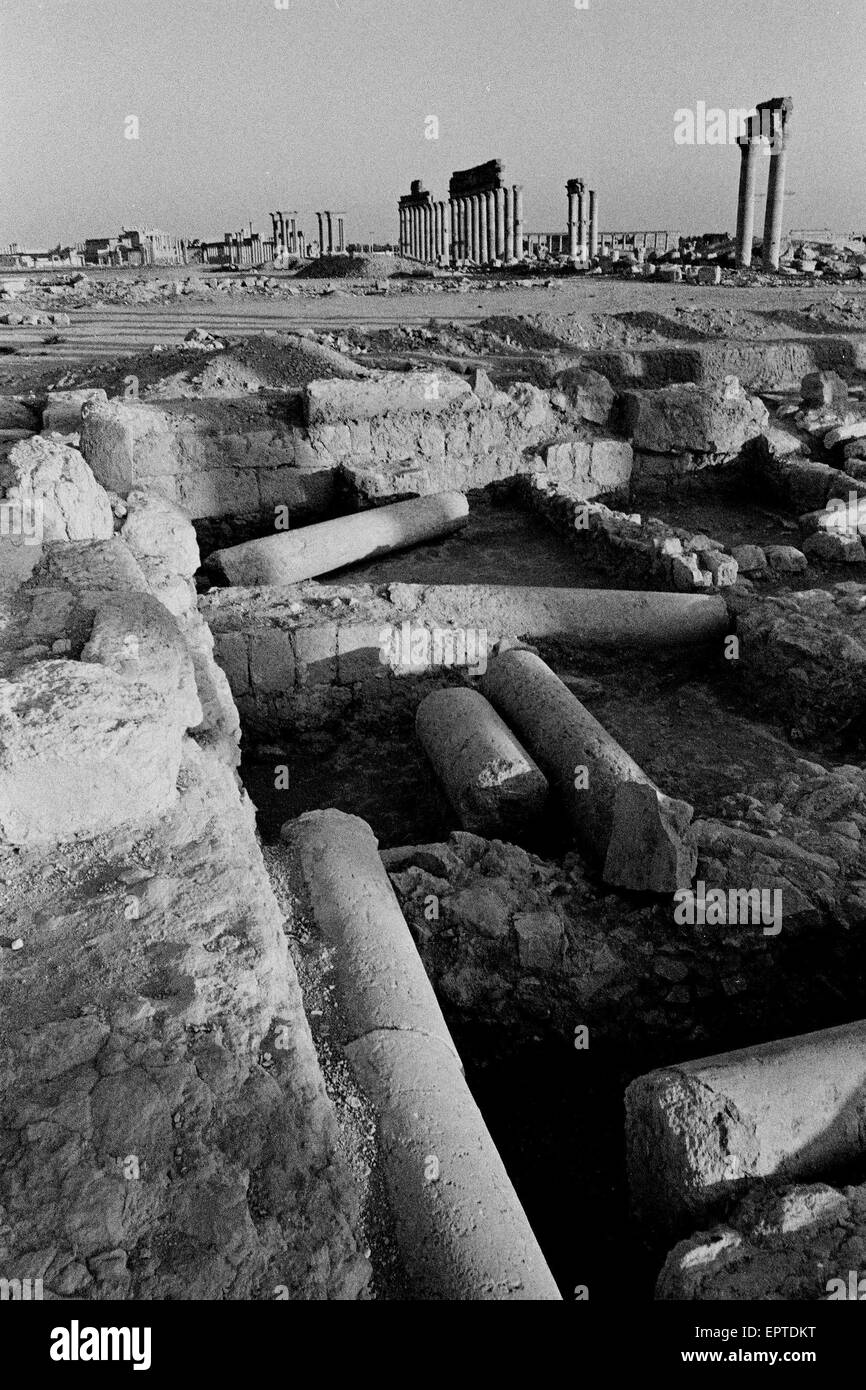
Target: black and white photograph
432, 674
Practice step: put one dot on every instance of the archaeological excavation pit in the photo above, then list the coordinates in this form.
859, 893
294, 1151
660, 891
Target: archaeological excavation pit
542, 677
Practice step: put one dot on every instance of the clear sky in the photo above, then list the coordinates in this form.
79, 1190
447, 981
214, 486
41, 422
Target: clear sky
248, 105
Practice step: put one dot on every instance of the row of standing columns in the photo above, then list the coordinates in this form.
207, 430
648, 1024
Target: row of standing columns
328, 223
583, 233
477, 227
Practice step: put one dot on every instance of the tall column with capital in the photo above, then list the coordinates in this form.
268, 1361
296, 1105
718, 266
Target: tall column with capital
454, 209
583, 223
467, 229
321, 222
518, 221
572, 219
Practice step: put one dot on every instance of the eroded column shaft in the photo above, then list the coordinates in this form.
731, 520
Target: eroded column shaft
460, 1229
290, 556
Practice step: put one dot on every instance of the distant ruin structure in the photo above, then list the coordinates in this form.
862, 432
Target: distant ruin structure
769, 131
480, 224
287, 236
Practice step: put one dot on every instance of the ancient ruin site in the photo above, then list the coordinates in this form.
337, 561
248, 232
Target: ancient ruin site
433, 723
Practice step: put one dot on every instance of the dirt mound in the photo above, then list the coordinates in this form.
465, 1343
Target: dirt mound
376, 267
265, 362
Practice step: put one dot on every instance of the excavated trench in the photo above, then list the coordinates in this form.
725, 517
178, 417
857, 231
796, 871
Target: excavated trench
698, 728
559, 1126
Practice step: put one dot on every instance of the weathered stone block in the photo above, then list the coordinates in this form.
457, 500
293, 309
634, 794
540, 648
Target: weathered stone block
83, 751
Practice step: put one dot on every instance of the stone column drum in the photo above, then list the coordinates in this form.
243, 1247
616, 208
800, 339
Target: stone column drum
492, 783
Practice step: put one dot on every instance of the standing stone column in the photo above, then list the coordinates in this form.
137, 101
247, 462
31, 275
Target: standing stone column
428, 232
572, 221
330, 234
775, 202
475, 234
482, 228
508, 212
454, 205
321, 233
491, 227
518, 221
583, 220
467, 229
446, 230
499, 197
302, 246
416, 233
593, 224
438, 209
749, 150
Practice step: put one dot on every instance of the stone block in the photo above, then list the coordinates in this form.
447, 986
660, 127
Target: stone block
83, 751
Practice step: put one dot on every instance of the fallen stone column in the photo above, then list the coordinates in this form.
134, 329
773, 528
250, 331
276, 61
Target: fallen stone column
290, 556
490, 780
642, 838
461, 1231
699, 1131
